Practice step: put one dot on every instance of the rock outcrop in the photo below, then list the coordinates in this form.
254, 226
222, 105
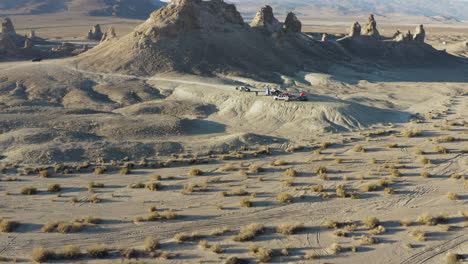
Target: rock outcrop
95, 33
355, 30
420, 34
292, 23
28, 44
266, 19
32, 34
7, 27
109, 35
370, 29
7, 45
325, 37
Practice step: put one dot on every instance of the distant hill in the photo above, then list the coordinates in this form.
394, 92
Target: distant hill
139, 9
447, 10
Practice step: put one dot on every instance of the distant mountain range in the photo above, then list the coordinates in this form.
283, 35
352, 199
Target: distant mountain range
140, 9
439, 9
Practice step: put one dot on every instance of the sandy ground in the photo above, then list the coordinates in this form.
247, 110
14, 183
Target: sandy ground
231, 128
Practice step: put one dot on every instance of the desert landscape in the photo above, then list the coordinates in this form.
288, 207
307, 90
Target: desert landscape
216, 132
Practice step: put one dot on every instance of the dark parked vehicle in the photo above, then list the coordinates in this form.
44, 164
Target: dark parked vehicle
36, 60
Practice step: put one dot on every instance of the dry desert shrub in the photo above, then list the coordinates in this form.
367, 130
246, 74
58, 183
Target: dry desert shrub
423, 160
153, 186
452, 258
99, 170
130, 253
426, 174
291, 172
341, 191
392, 145
151, 244
429, 220
378, 230
406, 222
168, 215
335, 248
220, 231
330, 224
452, 196
226, 167
125, 171
284, 197
311, 255
263, 255
65, 228
456, 176
395, 172
367, 240
195, 172
28, 191
411, 132
418, 234
280, 162
389, 191
371, 222
321, 170
41, 254
289, 229
317, 188
98, 250
44, 174
249, 232
340, 233
358, 148
95, 185
7, 226
70, 252
254, 168
441, 150
369, 187
54, 187
245, 202
183, 237
95, 199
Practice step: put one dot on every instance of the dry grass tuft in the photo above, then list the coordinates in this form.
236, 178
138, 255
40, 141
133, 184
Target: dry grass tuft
195, 172
226, 167
151, 244
418, 234
249, 232
317, 188
392, 145
371, 222
406, 222
263, 255
369, 187
245, 202
426, 174
7, 226
54, 187
330, 224
254, 168
284, 197
41, 254
341, 191
311, 255
291, 172
183, 237
411, 132
367, 240
452, 258
321, 170
98, 250
335, 248
289, 229
423, 160
28, 191
452, 196
71, 252
280, 162
441, 150
358, 148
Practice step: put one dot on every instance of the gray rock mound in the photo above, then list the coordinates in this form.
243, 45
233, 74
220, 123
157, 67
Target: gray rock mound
95, 33
7, 27
109, 35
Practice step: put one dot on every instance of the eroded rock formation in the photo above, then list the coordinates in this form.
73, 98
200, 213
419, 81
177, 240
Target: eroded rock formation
95, 33
370, 28
7, 27
420, 34
292, 23
266, 19
355, 30
109, 34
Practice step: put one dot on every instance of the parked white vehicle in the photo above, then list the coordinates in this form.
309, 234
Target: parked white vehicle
243, 88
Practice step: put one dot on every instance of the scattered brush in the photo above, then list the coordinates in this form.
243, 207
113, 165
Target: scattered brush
28, 191
41, 254
245, 202
99, 170
183, 237
395, 172
406, 222
426, 174
411, 132
263, 255
321, 170
220, 231
7, 226
311, 255
358, 148
289, 229
254, 168
44, 174
389, 191
125, 171
54, 187
330, 224
226, 167
367, 240
70, 252
392, 145
280, 162
291, 172
168, 215
239, 192
153, 186
130, 253
249, 232
317, 188
441, 150
341, 191
284, 197
456, 176
340, 233
452, 258
452, 196
378, 230
418, 234
371, 222
95, 199
95, 185
98, 250
369, 187
195, 172
335, 248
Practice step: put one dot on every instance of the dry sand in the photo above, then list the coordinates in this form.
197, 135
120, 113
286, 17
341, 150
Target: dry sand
54, 112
